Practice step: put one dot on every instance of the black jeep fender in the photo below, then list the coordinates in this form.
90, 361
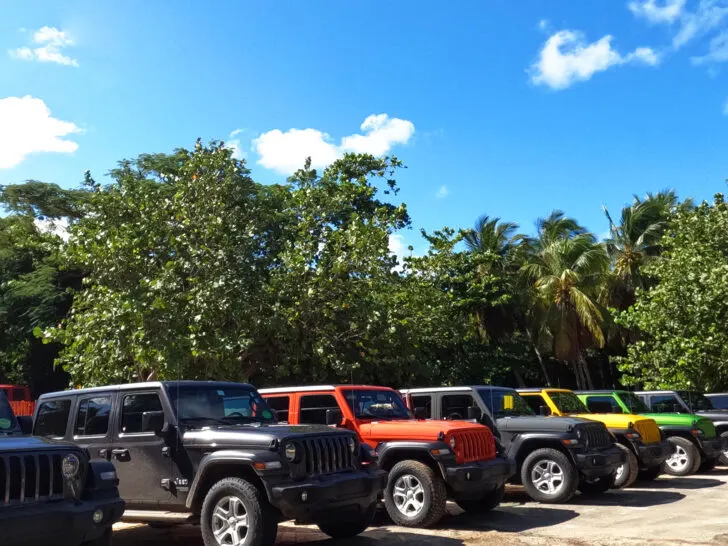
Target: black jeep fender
720, 427
101, 481
393, 452
679, 430
523, 444
621, 435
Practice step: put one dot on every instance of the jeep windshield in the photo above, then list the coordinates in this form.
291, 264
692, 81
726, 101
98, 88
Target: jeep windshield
568, 402
201, 405
504, 403
376, 404
696, 401
633, 402
8, 423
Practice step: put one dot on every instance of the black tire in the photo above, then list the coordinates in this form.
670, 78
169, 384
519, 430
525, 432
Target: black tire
104, 540
348, 525
543, 459
723, 461
650, 474
262, 524
708, 464
597, 486
489, 501
433, 494
686, 459
628, 472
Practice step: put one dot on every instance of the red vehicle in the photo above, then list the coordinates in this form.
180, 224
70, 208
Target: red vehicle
428, 461
19, 398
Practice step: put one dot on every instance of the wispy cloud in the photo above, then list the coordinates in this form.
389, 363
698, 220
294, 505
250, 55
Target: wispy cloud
286, 151
49, 43
233, 143
666, 11
567, 58
442, 192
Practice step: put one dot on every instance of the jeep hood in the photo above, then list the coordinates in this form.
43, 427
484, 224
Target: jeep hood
32, 443
538, 424
382, 431
255, 435
673, 419
717, 416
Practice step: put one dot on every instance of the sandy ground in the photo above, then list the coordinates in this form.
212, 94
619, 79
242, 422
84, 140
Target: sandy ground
668, 511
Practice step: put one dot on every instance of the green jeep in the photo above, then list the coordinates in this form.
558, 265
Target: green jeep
693, 436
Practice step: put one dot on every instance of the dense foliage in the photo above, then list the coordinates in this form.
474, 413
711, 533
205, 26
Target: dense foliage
184, 266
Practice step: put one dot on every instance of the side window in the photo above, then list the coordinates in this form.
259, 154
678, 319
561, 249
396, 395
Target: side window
603, 404
52, 418
664, 403
133, 408
313, 408
535, 401
423, 401
455, 406
282, 405
92, 418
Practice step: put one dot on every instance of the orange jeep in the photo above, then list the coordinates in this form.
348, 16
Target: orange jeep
428, 461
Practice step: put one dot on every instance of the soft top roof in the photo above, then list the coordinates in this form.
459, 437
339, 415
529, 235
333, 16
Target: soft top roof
320, 388
142, 386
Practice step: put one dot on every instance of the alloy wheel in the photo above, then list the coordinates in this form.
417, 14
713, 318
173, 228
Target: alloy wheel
230, 522
548, 477
679, 460
409, 495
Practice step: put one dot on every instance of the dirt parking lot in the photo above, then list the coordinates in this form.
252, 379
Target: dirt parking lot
669, 511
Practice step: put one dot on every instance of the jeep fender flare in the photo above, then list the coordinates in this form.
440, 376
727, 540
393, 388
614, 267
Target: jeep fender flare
720, 427
418, 450
218, 458
681, 431
523, 444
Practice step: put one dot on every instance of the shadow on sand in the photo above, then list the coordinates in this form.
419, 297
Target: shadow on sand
692, 482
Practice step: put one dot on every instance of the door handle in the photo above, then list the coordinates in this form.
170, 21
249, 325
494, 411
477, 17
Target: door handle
120, 453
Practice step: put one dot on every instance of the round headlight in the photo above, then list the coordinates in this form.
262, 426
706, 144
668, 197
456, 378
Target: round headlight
452, 442
71, 466
352, 445
579, 433
291, 452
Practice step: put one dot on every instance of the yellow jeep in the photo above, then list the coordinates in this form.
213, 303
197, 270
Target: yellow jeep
638, 436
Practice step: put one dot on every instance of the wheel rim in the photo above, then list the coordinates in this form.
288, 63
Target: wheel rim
408, 495
548, 477
620, 471
679, 460
230, 522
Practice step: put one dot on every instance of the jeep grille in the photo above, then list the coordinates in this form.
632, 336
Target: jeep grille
327, 455
649, 431
597, 435
473, 445
27, 478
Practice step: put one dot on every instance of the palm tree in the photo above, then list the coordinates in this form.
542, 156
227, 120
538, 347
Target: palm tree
492, 235
565, 269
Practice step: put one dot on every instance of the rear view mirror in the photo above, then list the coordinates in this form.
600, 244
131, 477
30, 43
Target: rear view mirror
474, 413
544, 411
420, 414
333, 417
153, 421
26, 424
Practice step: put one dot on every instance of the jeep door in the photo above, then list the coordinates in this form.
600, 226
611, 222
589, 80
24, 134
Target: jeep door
149, 477
90, 422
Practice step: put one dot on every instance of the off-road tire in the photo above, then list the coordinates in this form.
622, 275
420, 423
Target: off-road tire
650, 474
630, 470
104, 540
435, 494
481, 506
570, 476
692, 453
597, 486
348, 525
262, 523
708, 464
723, 461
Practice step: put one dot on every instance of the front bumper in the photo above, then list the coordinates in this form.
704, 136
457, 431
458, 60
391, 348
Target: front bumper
47, 522
471, 480
654, 454
312, 500
714, 447
599, 462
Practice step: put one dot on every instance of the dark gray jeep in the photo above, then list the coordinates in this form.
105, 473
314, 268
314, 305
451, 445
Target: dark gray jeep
212, 453
49, 490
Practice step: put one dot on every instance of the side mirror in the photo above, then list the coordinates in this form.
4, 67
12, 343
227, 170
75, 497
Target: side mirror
544, 411
474, 413
26, 424
420, 414
333, 417
153, 421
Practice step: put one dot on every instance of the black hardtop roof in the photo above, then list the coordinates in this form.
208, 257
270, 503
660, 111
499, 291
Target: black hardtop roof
602, 391
143, 386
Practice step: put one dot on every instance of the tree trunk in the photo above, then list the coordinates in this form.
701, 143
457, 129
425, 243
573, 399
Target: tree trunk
540, 358
585, 369
577, 373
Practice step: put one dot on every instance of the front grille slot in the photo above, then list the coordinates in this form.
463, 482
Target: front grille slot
30, 478
474, 445
326, 455
597, 436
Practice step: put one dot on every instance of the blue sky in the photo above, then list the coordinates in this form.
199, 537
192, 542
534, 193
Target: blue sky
503, 108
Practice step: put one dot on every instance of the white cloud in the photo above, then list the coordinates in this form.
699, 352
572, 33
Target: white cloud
234, 144
666, 11
442, 192
399, 248
285, 152
27, 127
718, 52
543, 24
709, 15
567, 58
58, 227
50, 42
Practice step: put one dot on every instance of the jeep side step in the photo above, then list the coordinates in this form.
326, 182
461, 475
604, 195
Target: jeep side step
158, 516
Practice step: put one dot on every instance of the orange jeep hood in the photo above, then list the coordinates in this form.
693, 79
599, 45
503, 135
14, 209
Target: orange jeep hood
382, 431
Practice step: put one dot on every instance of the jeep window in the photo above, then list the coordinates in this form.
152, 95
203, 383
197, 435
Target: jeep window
425, 402
92, 418
502, 403
281, 404
8, 423
376, 404
52, 418
633, 402
719, 401
696, 401
314, 406
198, 405
665, 403
133, 408
603, 403
536, 401
455, 406
568, 402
